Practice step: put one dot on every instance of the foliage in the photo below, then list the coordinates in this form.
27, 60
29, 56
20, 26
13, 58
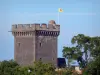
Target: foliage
64, 71
84, 44
7, 67
39, 68
93, 67
44, 69
71, 53
69, 72
87, 43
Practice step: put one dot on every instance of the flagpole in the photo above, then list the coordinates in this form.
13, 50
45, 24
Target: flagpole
58, 17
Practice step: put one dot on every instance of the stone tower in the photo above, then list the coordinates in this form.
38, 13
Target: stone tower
33, 42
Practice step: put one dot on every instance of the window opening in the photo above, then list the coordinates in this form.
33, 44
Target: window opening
19, 44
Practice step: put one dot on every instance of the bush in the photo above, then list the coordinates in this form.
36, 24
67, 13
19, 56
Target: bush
93, 67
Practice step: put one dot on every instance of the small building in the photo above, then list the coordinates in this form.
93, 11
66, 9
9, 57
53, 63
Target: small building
61, 62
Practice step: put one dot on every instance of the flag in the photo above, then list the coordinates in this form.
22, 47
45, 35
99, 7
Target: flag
60, 10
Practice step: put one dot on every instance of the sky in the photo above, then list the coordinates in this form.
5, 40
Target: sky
78, 17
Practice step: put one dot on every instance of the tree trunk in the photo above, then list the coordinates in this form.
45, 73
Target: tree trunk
68, 62
86, 56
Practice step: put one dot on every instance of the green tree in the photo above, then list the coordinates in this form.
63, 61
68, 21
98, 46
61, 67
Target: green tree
43, 68
71, 53
39, 68
84, 44
7, 67
87, 44
93, 67
95, 46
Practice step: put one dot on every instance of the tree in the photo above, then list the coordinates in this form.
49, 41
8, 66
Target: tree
95, 46
71, 53
7, 67
44, 68
93, 67
39, 68
84, 44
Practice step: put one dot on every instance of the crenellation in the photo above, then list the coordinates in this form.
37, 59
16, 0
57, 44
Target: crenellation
37, 26
50, 26
20, 26
58, 27
44, 26
25, 28
14, 26
52, 22
32, 26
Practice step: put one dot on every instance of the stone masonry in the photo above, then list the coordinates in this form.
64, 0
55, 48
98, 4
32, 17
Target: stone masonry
33, 42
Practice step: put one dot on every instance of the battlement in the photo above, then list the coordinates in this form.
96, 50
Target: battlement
51, 26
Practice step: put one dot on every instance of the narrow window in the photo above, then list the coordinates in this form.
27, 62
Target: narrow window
19, 44
40, 44
40, 59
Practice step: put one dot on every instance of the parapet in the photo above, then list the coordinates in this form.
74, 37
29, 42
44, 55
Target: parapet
51, 26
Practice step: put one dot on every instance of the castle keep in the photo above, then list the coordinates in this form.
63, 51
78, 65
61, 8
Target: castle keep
33, 42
